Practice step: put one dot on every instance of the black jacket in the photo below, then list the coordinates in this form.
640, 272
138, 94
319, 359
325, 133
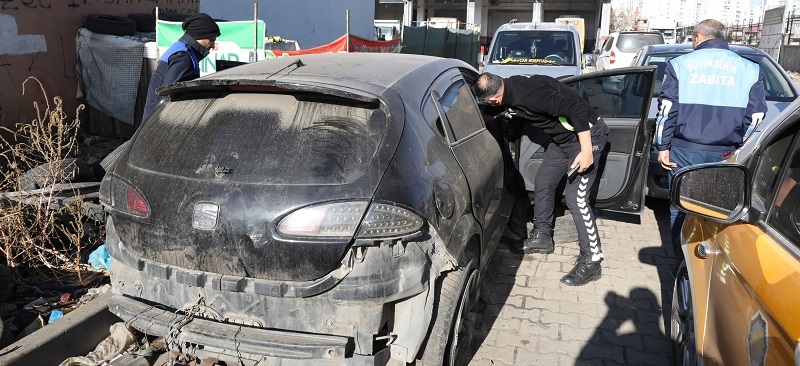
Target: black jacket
175, 66
542, 100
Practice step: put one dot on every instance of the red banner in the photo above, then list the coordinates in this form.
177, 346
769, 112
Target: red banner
357, 44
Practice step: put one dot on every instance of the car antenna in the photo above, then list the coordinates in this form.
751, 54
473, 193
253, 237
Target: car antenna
297, 63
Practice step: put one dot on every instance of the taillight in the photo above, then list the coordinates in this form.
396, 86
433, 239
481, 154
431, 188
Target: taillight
613, 57
338, 219
135, 203
123, 197
341, 219
383, 220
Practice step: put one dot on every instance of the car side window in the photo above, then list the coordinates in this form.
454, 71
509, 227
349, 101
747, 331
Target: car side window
431, 116
769, 168
607, 45
784, 214
461, 110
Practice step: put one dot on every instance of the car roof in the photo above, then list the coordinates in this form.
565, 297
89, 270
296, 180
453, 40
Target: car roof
361, 71
537, 26
635, 32
685, 47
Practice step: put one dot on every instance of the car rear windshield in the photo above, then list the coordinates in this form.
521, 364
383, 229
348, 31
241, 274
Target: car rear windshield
777, 87
262, 138
534, 47
632, 42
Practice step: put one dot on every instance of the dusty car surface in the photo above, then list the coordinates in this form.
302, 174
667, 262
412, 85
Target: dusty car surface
737, 288
320, 210
779, 90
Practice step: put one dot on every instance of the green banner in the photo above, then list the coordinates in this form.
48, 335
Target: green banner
239, 32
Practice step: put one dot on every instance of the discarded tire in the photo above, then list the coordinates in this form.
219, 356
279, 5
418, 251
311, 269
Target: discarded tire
144, 22
110, 24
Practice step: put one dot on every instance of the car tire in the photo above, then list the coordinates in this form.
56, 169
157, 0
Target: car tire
684, 345
145, 22
454, 321
110, 24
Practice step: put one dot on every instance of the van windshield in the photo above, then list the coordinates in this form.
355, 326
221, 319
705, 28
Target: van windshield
534, 47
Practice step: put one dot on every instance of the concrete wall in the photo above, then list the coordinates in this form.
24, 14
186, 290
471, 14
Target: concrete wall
790, 58
310, 22
37, 38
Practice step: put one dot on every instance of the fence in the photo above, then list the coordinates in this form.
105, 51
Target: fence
456, 40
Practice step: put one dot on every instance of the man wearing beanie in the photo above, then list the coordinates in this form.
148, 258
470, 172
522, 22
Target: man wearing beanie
181, 62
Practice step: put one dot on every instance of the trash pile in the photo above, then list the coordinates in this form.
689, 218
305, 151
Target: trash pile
34, 305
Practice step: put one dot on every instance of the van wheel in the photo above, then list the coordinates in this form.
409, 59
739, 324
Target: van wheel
682, 324
454, 322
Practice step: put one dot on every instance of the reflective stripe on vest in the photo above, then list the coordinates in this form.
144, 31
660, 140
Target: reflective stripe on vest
181, 47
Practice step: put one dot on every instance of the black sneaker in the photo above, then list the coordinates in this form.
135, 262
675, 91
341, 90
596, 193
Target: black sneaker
586, 270
538, 242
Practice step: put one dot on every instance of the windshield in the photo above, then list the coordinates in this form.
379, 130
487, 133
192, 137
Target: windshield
634, 41
534, 47
777, 87
262, 138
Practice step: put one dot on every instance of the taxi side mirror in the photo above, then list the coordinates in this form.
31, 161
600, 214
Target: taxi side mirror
717, 191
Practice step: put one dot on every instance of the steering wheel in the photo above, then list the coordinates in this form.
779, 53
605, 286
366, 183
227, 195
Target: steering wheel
558, 59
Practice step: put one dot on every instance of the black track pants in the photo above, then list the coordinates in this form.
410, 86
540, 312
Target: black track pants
556, 162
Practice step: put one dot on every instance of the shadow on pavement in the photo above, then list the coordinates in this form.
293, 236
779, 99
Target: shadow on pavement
629, 334
662, 257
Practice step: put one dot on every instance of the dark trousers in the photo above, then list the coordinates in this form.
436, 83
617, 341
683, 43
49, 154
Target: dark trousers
684, 156
556, 163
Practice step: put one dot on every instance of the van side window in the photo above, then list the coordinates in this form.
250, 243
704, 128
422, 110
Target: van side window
784, 215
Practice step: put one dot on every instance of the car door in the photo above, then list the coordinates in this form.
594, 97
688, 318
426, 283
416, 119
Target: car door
754, 281
622, 97
476, 150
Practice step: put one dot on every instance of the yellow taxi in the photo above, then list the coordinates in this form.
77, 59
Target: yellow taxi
736, 299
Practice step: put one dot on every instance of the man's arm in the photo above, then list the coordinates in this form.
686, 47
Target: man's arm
756, 106
668, 105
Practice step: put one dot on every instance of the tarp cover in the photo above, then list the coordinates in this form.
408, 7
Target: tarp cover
357, 44
108, 70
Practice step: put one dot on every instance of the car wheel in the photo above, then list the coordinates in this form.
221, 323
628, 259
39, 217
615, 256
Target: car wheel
454, 324
682, 330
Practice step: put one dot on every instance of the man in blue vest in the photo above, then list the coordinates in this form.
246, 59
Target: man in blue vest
181, 62
711, 100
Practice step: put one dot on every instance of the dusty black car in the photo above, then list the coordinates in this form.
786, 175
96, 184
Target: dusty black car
324, 210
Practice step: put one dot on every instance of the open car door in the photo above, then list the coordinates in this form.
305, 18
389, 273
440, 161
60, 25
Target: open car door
622, 97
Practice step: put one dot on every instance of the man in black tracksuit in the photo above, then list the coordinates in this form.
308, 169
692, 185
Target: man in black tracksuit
578, 137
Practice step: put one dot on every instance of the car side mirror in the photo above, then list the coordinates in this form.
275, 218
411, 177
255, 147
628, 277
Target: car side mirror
611, 85
596, 52
717, 191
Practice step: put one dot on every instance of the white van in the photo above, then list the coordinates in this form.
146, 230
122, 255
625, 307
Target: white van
535, 48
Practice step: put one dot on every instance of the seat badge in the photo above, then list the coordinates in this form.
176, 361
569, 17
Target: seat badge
205, 215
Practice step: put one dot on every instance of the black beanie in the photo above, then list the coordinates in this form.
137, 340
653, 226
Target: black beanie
201, 26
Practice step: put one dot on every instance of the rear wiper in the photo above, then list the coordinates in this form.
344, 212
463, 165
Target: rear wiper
297, 63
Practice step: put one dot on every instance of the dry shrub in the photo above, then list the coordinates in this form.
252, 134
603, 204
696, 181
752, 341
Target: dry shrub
38, 228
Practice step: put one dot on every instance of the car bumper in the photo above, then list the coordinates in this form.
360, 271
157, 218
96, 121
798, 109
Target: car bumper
345, 311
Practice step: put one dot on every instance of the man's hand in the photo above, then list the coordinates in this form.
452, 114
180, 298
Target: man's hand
663, 158
584, 159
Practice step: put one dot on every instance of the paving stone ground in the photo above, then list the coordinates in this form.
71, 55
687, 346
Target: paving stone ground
532, 319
